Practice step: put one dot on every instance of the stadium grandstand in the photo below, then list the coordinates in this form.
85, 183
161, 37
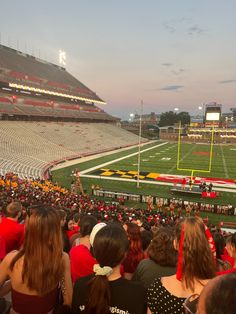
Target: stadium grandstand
47, 116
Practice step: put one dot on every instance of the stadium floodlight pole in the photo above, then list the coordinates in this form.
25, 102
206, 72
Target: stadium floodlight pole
139, 142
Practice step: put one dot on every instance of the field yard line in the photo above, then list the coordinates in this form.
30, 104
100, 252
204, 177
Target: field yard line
80, 160
175, 166
149, 182
121, 158
224, 162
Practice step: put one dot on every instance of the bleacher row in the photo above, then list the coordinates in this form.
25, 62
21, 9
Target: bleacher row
21, 68
26, 106
27, 148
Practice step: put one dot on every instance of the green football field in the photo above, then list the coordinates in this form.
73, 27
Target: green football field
163, 159
115, 171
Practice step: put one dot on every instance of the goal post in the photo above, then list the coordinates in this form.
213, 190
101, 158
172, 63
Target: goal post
179, 168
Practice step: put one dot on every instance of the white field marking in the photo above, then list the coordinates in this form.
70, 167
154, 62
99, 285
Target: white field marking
157, 153
121, 158
224, 162
232, 148
134, 164
80, 160
186, 155
165, 158
145, 159
216, 186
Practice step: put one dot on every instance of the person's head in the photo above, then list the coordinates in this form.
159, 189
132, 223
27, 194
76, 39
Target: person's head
231, 246
133, 232
42, 250
135, 253
196, 261
13, 210
70, 224
161, 249
218, 296
86, 225
110, 246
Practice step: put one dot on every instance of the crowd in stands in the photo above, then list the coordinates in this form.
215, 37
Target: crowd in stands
63, 252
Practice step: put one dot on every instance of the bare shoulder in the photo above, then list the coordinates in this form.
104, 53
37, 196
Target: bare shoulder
65, 255
9, 257
5, 264
171, 284
65, 258
168, 280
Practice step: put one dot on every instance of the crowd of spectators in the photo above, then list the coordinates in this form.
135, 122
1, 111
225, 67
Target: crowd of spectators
120, 259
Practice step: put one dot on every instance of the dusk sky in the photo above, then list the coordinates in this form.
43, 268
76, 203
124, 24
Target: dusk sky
169, 53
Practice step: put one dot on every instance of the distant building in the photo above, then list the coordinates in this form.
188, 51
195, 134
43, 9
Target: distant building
150, 118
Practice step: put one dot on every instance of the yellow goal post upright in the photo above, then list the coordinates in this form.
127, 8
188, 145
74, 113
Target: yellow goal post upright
210, 157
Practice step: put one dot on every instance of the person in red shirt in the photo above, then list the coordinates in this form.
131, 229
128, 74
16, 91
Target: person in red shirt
184, 181
81, 259
10, 230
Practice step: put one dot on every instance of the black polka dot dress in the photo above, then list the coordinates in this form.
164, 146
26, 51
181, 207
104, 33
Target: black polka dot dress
162, 301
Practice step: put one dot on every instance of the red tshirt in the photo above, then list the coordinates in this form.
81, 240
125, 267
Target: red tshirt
81, 261
226, 257
2, 248
13, 234
70, 233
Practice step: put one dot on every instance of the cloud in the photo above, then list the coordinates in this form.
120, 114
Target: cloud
228, 81
184, 24
173, 69
167, 64
195, 30
172, 87
178, 71
170, 28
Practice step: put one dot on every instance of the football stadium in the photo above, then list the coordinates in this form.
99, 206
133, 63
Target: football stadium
52, 125
117, 157
62, 155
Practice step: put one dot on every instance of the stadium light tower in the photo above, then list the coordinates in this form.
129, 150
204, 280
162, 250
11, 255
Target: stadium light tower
201, 112
62, 57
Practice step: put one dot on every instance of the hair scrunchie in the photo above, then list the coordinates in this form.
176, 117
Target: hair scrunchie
102, 271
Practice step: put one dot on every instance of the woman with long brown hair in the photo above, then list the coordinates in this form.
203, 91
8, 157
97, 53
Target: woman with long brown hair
195, 267
106, 291
135, 253
37, 269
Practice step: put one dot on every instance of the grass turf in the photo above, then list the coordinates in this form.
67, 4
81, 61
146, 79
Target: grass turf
162, 160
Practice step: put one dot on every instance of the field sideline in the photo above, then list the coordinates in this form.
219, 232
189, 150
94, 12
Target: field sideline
159, 158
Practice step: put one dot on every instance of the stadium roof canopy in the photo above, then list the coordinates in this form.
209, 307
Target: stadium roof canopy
26, 72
